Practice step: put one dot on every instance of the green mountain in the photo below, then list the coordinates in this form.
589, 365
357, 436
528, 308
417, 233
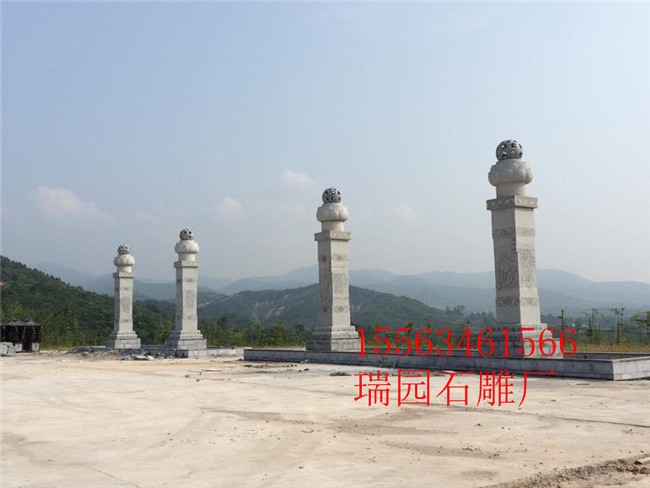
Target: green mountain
300, 306
558, 290
69, 314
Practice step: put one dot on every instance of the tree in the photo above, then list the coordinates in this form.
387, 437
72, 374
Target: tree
278, 334
300, 335
621, 332
642, 323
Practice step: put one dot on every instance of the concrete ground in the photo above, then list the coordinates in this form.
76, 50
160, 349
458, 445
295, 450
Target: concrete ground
98, 421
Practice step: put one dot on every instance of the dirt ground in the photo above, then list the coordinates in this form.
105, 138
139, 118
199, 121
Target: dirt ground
70, 420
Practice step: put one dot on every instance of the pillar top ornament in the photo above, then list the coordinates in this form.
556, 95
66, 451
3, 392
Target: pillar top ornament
187, 247
332, 209
509, 149
186, 235
510, 174
124, 257
331, 195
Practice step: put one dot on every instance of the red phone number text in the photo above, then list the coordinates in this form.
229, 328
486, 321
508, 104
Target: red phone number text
424, 347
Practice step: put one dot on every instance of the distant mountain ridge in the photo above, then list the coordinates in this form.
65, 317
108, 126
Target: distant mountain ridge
300, 306
143, 289
82, 316
440, 289
29, 289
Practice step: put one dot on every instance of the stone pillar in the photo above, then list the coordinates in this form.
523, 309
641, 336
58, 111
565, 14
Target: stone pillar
186, 335
513, 234
123, 336
333, 330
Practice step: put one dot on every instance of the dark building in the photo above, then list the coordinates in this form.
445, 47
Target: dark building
25, 336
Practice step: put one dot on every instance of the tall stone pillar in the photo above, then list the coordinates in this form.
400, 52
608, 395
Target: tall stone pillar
186, 335
513, 234
333, 330
123, 336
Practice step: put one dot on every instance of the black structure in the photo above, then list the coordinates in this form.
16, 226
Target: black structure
26, 336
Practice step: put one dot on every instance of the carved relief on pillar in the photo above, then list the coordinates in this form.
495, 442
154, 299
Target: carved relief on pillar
516, 301
527, 268
500, 203
507, 276
340, 284
190, 301
512, 231
516, 268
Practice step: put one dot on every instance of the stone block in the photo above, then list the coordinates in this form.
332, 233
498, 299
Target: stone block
7, 349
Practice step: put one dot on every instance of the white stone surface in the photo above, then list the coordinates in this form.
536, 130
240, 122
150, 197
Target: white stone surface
510, 176
333, 330
513, 234
123, 336
186, 334
332, 216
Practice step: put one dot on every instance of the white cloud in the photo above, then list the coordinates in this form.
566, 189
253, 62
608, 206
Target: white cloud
296, 178
405, 213
230, 207
147, 217
158, 213
60, 202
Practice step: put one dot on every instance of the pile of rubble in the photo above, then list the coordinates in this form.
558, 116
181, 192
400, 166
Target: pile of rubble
125, 355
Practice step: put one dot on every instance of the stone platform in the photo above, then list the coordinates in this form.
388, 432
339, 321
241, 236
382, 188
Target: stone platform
603, 366
195, 353
179, 353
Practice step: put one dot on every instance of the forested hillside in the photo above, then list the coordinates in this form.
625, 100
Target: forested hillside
69, 314
300, 306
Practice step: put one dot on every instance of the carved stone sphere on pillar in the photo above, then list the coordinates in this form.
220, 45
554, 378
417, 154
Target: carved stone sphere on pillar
510, 174
331, 214
187, 247
331, 195
509, 149
124, 260
186, 235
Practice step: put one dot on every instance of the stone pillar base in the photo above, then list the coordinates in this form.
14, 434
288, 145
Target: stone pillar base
334, 345
186, 341
336, 340
515, 337
123, 341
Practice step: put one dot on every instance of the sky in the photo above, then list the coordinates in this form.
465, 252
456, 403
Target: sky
124, 122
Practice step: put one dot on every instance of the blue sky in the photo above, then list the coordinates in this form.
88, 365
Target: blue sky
125, 122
